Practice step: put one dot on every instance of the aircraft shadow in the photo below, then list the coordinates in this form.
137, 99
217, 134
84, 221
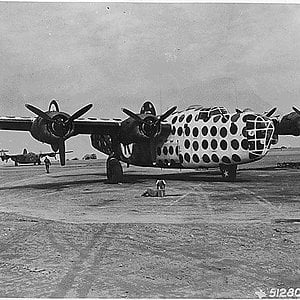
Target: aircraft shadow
134, 177
186, 176
76, 175
270, 169
57, 186
129, 178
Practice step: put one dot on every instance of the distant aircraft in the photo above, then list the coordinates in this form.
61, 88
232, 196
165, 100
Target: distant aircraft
27, 157
89, 156
193, 138
2, 152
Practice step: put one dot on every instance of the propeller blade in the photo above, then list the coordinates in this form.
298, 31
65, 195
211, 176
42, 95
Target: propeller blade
296, 110
152, 151
271, 112
132, 115
80, 112
167, 113
62, 152
39, 112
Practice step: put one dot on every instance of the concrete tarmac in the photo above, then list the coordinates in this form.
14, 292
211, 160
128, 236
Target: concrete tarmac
70, 234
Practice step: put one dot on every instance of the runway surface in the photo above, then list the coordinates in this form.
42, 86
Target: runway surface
70, 234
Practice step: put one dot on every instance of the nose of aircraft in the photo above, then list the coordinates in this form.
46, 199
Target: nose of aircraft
259, 131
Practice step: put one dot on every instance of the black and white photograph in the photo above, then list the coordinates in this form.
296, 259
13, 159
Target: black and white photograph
150, 150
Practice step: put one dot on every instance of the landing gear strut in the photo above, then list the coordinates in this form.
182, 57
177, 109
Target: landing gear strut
114, 170
228, 172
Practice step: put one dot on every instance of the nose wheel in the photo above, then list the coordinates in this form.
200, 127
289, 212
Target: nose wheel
114, 170
228, 172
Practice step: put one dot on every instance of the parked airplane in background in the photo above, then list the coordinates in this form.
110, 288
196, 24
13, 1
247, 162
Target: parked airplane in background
27, 157
196, 137
2, 151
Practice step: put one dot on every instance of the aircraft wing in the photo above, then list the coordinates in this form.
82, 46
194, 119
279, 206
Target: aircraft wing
96, 126
16, 123
13, 155
9, 156
52, 154
81, 125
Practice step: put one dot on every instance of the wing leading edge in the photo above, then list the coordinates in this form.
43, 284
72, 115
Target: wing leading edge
81, 126
96, 126
16, 123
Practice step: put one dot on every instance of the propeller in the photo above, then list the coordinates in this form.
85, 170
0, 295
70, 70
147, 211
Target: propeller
270, 112
151, 122
133, 115
62, 152
61, 125
79, 113
167, 113
267, 114
38, 112
296, 110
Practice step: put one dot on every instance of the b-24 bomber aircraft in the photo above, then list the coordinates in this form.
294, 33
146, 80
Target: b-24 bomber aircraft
27, 157
193, 138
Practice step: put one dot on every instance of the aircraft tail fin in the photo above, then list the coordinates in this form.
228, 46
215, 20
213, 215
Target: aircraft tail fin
148, 108
2, 154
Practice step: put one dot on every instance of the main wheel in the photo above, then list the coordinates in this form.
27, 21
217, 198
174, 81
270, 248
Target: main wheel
228, 172
114, 171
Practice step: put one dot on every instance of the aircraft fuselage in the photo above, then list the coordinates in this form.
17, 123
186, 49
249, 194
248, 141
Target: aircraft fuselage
197, 140
29, 158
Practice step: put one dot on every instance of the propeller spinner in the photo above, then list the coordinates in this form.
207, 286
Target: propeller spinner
61, 124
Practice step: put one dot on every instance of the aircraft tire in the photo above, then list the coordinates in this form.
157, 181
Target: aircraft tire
228, 172
114, 171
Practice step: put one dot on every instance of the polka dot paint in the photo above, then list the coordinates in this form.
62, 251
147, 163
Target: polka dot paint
198, 139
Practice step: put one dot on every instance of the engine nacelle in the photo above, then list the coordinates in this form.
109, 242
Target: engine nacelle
51, 132
289, 125
133, 132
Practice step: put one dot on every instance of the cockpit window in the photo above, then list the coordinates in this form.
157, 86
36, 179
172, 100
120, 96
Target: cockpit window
206, 113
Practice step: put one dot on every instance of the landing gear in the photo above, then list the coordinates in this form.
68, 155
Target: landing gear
228, 172
16, 164
114, 170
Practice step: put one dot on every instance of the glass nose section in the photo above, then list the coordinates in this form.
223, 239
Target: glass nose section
259, 134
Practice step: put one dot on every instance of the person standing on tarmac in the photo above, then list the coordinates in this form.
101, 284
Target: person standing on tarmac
47, 163
161, 188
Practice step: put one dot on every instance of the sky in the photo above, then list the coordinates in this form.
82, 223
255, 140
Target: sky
118, 55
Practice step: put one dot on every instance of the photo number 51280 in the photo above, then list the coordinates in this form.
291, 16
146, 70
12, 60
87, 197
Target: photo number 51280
284, 293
